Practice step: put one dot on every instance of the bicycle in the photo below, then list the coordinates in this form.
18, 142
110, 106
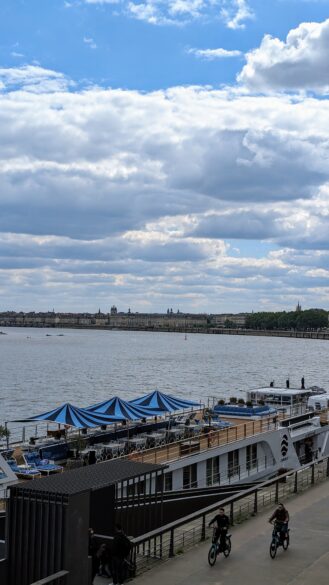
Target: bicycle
278, 539
215, 548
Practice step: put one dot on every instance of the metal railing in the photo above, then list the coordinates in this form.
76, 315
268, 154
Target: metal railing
59, 578
151, 549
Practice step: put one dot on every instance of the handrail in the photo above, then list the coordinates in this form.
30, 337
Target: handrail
51, 578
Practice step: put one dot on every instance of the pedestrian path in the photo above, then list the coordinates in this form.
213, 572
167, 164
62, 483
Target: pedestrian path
305, 562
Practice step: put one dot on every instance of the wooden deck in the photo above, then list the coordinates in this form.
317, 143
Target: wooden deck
204, 441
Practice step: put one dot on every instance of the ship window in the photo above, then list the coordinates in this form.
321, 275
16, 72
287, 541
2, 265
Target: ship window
213, 470
190, 476
233, 463
131, 489
168, 481
251, 458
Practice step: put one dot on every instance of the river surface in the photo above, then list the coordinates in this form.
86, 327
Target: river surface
42, 368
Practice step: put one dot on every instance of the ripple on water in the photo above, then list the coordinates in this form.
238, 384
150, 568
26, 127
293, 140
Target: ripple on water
82, 367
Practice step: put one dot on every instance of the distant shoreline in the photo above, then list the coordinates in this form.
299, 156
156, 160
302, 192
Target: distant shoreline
324, 335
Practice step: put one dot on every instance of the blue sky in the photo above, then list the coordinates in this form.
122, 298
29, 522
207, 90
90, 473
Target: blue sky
159, 153
104, 43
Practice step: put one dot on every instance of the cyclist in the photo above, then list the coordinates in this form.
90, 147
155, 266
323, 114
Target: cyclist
281, 518
223, 523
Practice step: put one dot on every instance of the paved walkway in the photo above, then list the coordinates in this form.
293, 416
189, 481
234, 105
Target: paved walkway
304, 563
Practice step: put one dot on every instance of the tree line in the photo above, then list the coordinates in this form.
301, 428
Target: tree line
309, 320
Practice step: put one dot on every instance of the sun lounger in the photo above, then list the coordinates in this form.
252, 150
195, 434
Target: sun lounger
23, 472
33, 460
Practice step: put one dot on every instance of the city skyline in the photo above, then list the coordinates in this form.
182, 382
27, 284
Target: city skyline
164, 154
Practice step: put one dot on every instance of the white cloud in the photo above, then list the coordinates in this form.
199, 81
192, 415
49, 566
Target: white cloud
235, 13
90, 42
301, 62
103, 1
127, 195
33, 78
169, 11
212, 54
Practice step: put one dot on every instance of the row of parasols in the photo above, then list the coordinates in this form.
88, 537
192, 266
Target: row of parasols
114, 410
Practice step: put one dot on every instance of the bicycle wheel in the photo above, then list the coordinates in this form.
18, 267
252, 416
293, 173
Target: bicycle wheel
273, 548
285, 542
228, 547
212, 555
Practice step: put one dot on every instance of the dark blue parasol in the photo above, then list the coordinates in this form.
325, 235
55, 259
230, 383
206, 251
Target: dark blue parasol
163, 402
122, 410
67, 414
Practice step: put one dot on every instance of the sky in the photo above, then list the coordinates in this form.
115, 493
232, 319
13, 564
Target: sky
161, 154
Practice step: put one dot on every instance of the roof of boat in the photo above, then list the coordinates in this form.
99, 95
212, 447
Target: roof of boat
274, 390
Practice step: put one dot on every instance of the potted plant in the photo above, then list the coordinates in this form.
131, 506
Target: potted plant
4, 433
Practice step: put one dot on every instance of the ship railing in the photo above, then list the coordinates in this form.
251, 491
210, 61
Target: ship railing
158, 545
207, 440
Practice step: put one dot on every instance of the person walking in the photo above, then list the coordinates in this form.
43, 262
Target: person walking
92, 552
121, 547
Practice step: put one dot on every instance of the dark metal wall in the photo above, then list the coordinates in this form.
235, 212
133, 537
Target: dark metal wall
3, 572
76, 539
47, 533
102, 510
2, 526
36, 524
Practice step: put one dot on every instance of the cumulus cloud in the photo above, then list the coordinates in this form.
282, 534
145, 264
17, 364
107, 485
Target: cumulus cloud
212, 54
298, 63
120, 195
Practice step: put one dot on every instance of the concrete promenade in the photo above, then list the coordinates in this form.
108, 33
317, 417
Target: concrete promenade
304, 563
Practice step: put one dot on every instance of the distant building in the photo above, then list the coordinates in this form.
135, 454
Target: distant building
298, 308
221, 320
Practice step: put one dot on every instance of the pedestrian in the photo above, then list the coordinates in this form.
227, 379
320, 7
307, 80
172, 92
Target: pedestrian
92, 552
104, 560
121, 547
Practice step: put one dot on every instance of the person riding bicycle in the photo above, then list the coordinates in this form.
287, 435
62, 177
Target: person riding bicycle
281, 518
223, 523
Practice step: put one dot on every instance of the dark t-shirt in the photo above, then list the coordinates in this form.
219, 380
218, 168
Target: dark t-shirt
280, 515
121, 546
221, 520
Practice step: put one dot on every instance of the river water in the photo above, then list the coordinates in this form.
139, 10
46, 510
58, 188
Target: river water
42, 368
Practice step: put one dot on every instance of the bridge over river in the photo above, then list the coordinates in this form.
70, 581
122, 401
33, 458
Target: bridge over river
304, 563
